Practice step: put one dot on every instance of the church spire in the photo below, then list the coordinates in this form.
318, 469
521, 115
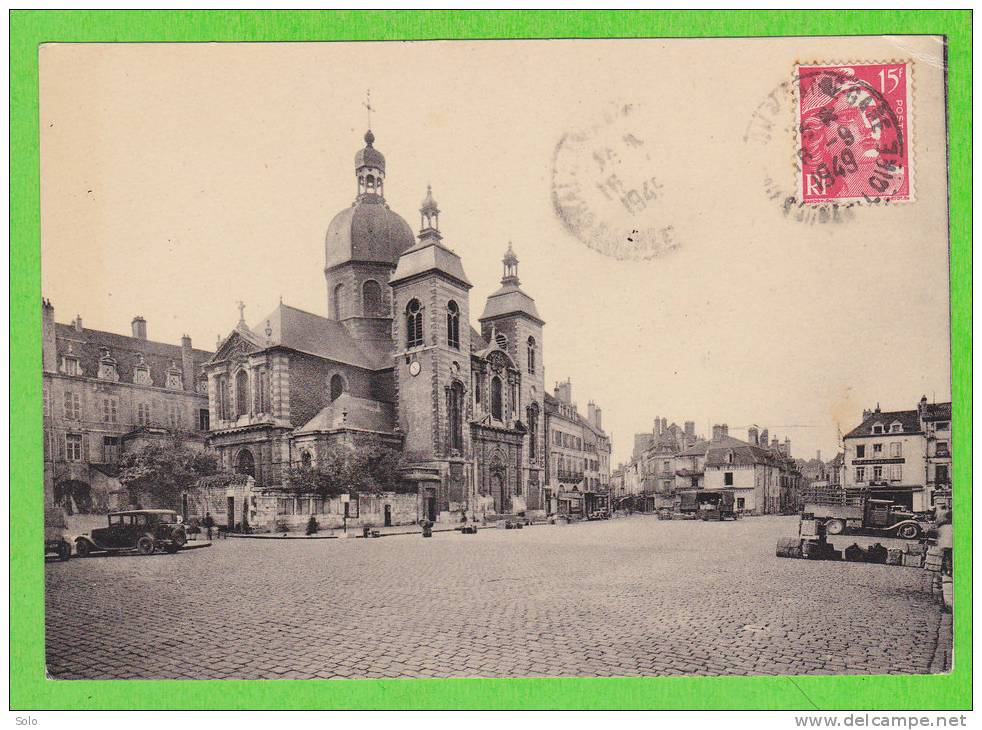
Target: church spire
510, 262
429, 218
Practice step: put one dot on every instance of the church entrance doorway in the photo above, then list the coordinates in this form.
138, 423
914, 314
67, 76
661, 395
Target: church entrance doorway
499, 492
429, 504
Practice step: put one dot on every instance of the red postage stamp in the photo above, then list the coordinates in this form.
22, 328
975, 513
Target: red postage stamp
854, 128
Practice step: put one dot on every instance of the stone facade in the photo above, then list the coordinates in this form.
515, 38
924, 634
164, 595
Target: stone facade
397, 362
105, 394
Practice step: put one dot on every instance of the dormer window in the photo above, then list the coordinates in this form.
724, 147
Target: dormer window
70, 364
174, 381
141, 372
107, 366
896, 427
878, 428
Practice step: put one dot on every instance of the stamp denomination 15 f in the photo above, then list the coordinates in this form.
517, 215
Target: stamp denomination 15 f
854, 126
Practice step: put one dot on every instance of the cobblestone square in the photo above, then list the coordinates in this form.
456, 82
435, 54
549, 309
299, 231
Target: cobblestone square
626, 597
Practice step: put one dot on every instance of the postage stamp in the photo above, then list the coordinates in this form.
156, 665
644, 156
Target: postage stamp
854, 127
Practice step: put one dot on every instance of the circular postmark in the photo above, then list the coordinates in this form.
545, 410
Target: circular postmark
604, 190
840, 122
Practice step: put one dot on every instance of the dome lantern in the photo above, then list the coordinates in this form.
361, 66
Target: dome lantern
370, 168
510, 262
429, 217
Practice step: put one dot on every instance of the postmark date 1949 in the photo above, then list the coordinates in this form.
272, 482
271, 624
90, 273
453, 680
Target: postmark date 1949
854, 129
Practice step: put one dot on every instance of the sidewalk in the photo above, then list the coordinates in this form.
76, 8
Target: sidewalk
355, 531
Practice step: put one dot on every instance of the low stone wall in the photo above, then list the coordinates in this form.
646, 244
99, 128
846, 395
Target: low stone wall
285, 512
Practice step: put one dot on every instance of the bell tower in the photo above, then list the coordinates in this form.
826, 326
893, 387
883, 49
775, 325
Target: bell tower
431, 358
512, 322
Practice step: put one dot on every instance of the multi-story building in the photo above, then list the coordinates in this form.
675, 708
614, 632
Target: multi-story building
578, 464
764, 478
657, 462
904, 456
106, 393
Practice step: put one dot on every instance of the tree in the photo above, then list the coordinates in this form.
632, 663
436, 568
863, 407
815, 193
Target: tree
370, 468
160, 473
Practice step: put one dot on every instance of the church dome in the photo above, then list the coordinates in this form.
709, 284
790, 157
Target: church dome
367, 231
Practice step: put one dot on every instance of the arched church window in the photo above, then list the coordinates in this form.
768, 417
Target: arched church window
531, 354
338, 301
455, 413
414, 324
337, 387
453, 324
245, 464
371, 298
533, 429
305, 459
496, 406
241, 393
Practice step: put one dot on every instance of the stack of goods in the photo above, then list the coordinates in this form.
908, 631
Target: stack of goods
876, 553
819, 550
913, 554
855, 554
789, 547
895, 557
934, 558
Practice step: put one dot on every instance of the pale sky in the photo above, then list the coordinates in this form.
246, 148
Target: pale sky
180, 178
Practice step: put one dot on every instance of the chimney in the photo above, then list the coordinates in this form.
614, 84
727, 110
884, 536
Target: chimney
763, 438
591, 413
818, 454
774, 443
753, 435
656, 428
564, 392
187, 364
690, 428
921, 407
599, 424
139, 327
664, 425
49, 344
724, 430
717, 432
77, 323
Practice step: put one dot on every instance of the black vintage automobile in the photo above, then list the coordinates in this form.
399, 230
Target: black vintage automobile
142, 530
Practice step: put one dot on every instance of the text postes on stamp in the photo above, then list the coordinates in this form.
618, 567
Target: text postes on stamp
853, 122
604, 190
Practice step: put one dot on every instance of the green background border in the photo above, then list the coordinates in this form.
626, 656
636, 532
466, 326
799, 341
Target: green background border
28, 687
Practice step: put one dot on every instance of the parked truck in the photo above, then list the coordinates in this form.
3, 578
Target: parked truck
708, 504
861, 515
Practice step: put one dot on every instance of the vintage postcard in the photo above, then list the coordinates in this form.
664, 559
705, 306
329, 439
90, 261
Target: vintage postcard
496, 359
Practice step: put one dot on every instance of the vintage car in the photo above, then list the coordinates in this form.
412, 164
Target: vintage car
55, 542
143, 530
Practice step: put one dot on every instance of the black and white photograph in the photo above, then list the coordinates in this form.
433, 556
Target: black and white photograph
558, 358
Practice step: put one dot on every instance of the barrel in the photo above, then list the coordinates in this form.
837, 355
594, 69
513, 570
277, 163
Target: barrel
789, 547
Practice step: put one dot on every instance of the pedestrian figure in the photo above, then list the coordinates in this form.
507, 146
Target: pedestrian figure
209, 522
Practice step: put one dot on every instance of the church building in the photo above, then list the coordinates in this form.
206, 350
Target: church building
395, 360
